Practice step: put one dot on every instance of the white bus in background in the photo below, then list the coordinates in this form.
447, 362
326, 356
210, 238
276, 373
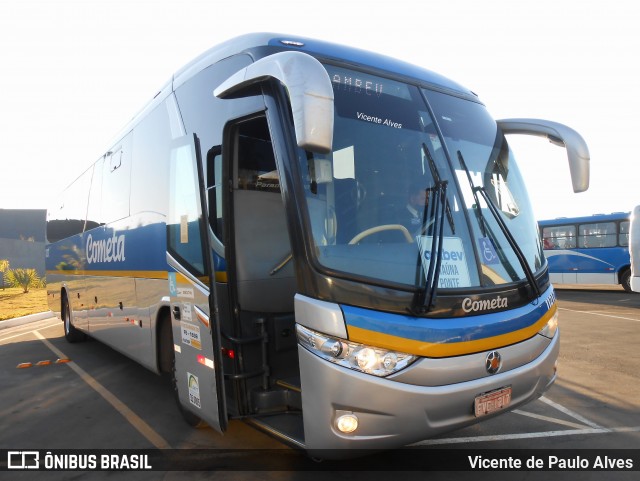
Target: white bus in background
634, 248
588, 250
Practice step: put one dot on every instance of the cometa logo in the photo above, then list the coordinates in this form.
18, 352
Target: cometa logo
105, 250
469, 305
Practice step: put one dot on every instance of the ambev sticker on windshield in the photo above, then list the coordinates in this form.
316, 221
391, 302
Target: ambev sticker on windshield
454, 271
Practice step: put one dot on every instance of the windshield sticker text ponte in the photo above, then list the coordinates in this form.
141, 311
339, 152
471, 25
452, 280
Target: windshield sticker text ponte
105, 250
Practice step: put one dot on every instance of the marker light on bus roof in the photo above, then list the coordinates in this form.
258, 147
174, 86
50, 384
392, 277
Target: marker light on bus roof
359, 357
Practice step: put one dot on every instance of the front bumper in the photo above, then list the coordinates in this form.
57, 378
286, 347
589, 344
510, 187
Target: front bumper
392, 414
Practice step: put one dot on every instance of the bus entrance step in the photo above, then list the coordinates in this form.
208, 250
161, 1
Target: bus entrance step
286, 426
278, 399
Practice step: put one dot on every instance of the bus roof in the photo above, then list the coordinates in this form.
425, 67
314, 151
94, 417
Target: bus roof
330, 51
586, 219
259, 45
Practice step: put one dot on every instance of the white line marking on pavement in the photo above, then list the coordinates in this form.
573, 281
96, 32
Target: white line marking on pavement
31, 331
138, 423
545, 434
571, 413
550, 419
599, 314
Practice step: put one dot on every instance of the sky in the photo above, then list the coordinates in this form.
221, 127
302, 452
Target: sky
74, 72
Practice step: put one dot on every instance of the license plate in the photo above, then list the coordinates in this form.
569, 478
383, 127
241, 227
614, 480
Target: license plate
492, 401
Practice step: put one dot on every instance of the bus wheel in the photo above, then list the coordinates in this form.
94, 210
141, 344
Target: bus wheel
625, 280
71, 334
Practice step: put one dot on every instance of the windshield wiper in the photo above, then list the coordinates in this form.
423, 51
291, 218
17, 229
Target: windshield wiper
433, 275
425, 298
495, 212
486, 229
436, 177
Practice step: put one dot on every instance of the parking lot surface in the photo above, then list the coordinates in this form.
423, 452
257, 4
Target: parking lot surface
102, 400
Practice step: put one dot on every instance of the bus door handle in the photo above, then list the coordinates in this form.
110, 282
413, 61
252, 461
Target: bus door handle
176, 312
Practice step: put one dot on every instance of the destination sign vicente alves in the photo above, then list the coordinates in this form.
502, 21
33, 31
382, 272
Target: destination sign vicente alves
377, 120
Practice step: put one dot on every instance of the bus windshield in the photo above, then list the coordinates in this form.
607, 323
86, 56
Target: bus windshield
412, 179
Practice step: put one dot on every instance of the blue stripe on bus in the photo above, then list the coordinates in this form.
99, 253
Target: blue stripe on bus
142, 249
448, 330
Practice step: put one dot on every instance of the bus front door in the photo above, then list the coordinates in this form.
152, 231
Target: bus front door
196, 334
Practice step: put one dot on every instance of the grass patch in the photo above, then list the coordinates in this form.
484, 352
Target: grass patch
15, 303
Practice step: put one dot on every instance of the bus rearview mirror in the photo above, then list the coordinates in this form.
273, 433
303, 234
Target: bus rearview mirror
557, 134
310, 94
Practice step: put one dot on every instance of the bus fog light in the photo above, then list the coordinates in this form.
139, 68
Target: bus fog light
347, 423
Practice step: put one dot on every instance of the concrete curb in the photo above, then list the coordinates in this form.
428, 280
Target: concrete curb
18, 321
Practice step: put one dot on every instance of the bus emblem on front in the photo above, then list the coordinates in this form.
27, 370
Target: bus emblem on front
493, 362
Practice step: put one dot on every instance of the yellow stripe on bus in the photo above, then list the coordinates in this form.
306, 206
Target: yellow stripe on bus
220, 276
440, 350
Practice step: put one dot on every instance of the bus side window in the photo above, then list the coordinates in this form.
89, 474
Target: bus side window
94, 210
69, 218
214, 191
623, 236
256, 163
116, 181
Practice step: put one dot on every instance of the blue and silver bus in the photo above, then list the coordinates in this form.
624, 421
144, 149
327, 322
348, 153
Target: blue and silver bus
333, 245
588, 250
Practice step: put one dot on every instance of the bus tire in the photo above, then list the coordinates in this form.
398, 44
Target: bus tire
625, 280
71, 334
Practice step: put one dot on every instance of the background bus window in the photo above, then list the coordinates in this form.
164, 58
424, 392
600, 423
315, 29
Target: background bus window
623, 236
602, 234
559, 237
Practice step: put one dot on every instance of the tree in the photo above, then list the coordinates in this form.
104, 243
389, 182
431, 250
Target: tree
24, 278
4, 265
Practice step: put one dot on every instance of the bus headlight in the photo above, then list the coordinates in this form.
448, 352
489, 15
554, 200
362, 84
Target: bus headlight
551, 327
367, 359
